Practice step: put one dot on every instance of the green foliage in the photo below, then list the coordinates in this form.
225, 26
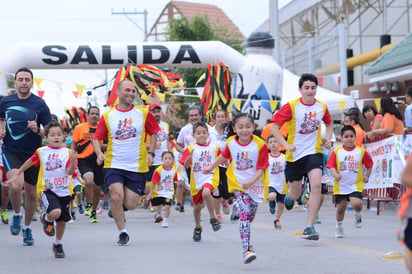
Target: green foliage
197, 29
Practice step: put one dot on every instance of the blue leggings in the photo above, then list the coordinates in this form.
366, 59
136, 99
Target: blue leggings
247, 208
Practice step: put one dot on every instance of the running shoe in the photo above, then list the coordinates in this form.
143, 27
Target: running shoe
48, 227
215, 224
235, 213
177, 207
277, 224
219, 218
317, 221
109, 213
81, 208
73, 215
158, 217
289, 203
99, 210
249, 256
272, 207
123, 239
93, 217
197, 234
305, 198
15, 227
58, 251
165, 223
4, 217
182, 209
358, 220
88, 210
27, 237
309, 233
339, 232
106, 205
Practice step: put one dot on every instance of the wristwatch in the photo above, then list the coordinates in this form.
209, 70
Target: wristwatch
152, 153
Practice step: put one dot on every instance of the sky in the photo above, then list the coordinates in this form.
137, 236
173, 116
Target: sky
86, 21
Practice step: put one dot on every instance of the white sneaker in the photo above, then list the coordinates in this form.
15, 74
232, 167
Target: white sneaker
339, 232
165, 223
358, 220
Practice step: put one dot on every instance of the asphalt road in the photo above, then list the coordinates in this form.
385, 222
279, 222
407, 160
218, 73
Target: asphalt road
91, 248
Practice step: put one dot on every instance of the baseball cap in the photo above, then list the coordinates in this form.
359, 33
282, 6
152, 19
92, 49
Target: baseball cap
152, 106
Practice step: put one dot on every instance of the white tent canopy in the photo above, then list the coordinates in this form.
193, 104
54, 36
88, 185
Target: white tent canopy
336, 102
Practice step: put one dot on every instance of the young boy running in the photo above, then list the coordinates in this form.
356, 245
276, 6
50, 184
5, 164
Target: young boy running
199, 156
57, 164
277, 183
346, 165
303, 118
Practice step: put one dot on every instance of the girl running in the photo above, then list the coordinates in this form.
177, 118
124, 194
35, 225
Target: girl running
248, 157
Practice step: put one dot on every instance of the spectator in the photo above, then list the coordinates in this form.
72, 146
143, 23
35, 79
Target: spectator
408, 111
370, 113
352, 119
392, 122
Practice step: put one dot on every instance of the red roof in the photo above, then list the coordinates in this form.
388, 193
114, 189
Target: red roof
188, 10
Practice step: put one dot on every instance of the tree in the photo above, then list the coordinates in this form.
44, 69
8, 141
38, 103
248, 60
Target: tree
198, 29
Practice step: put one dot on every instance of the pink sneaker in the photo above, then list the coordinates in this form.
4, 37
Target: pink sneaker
99, 210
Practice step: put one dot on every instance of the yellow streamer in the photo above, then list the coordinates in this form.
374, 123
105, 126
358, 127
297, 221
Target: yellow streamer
378, 104
342, 105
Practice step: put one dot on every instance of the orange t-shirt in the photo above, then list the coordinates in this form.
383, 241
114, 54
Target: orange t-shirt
82, 135
266, 132
391, 122
359, 135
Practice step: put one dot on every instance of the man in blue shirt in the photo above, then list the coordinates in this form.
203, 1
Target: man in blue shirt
408, 111
21, 115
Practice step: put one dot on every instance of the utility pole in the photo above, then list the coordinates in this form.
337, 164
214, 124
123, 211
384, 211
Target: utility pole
127, 13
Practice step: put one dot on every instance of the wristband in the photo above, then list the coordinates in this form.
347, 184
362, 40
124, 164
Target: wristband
152, 153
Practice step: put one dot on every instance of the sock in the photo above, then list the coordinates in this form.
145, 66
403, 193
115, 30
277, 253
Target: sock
358, 214
46, 219
122, 230
17, 214
58, 242
25, 227
339, 224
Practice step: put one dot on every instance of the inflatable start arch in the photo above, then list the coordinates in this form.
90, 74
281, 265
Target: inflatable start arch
257, 75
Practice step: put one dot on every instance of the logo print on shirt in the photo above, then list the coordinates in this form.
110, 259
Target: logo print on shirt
310, 123
242, 161
18, 127
161, 136
166, 183
204, 161
276, 168
349, 164
53, 162
125, 130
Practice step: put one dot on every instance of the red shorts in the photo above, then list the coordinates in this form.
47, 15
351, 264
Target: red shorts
198, 198
4, 177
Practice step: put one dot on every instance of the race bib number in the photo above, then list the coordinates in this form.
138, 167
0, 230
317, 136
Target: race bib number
56, 183
256, 189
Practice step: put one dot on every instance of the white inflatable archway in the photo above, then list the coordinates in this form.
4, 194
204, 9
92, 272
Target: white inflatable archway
257, 76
